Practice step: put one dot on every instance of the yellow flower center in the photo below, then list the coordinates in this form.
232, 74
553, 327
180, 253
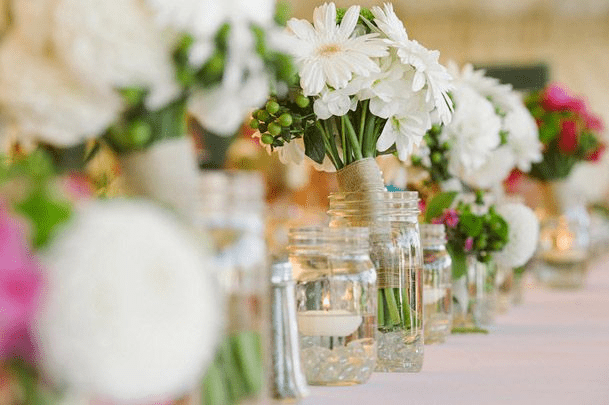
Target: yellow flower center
328, 50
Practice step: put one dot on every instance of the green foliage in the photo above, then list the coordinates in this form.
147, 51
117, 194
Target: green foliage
438, 154
438, 204
464, 330
314, 145
44, 209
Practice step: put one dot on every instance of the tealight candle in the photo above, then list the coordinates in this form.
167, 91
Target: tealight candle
335, 322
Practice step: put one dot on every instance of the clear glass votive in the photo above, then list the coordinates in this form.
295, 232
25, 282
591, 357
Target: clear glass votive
335, 303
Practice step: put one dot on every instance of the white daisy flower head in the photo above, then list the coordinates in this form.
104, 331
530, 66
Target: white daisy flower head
473, 133
129, 297
328, 54
430, 76
501, 95
523, 234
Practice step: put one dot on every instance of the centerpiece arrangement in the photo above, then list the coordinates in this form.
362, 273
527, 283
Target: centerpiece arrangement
365, 89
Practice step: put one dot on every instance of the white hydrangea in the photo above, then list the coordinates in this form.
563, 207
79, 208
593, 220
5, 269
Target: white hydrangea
44, 100
473, 132
523, 136
523, 234
496, 168
129, 313
110, 52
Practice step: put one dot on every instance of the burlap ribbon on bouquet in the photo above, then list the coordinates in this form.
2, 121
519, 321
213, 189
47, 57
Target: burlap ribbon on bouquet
165, 172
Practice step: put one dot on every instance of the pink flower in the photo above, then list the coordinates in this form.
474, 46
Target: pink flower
511, 183
594, 122
597, 154
567, 141
557, 98
77, 187
451, 218
20, 284
469, 244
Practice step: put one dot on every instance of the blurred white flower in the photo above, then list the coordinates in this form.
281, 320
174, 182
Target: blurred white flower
44, 99
523, 235
112, 52
499, 94
130, 313
328, 54
523, 136
244, 87
473, 132
429, 73
495, 169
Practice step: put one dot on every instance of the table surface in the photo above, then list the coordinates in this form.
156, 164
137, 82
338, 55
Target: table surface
551, 349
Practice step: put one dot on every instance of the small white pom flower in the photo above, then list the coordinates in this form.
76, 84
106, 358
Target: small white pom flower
129, 313
523, 235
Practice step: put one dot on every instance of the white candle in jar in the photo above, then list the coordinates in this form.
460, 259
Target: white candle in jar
334, 322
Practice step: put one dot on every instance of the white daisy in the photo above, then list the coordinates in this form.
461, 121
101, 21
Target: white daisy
328, 54
501, 95
429, 72
405, 132
523, 235
129, 295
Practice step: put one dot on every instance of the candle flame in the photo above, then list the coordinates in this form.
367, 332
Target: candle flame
325, 303
564, 238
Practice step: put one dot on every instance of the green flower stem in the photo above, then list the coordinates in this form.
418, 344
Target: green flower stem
391, 306
215, 391
357, 149
409, 322
380, 311
329, 146
362, 122
345, 144
369, 143
247, 349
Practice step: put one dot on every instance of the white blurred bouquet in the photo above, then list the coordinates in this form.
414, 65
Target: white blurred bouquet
365, 89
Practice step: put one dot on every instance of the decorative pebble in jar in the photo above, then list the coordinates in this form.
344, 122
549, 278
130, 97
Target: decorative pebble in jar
336, 303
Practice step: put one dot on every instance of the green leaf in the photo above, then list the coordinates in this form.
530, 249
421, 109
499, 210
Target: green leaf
438, 204
314, 144
471, 224
45, 215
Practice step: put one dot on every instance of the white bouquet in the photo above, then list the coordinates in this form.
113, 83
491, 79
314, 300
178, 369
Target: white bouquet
365, 89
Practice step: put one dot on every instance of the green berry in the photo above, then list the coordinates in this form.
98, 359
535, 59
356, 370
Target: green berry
139, 133
254, 123
302, 101
267, 139
480, 243
497, 245
262, 115
436, 157
272, 106
285, 120
274, 128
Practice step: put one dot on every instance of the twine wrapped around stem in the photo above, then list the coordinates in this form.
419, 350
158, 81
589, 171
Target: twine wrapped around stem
363, 175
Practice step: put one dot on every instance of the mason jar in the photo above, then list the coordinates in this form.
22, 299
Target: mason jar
470, 294
437, 283
231, 210
335, 303
395, 250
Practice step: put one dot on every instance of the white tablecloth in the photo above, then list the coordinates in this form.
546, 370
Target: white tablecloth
553, 349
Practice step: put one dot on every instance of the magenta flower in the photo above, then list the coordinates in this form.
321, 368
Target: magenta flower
597, 154
594, 122
20, 284
568, 137
451, 218
557, 98
469, 244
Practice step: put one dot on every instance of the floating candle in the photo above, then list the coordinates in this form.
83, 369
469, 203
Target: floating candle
336, 322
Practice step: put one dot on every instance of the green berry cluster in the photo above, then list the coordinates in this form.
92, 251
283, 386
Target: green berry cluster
438, 155
281, 120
